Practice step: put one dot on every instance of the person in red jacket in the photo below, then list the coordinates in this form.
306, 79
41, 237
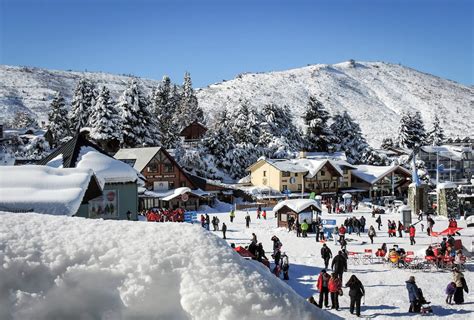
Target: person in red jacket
323, 287
342, 233
334, 286
412, 234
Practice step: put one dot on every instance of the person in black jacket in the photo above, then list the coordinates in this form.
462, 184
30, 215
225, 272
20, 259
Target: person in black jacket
326, 254
356, 292
339, 264
224, 229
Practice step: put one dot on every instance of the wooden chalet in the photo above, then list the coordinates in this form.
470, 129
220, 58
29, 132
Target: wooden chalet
193, 132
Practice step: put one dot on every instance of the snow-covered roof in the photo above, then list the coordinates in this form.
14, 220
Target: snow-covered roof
167, 195
372, 174
338, 155
142, 156
297, 205
314, 166
43, 189
287, 165
447, 151
446, 185
107, 169
305, 165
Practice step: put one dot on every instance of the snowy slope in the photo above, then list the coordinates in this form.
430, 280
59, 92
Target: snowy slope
373, 93
32, 89
73, 268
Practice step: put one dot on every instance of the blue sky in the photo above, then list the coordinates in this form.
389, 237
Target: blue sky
216, 40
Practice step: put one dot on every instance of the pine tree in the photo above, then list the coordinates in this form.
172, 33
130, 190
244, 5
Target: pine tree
188, 109
83, 101
138, 126
436, 136
57, 118
318, 135
245, 124
106, 122
23, 120
387, 143
411, 132
348, 137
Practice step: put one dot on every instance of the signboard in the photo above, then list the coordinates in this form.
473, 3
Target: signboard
160, 185
190, 216
330, 222
105, 206
184, 197
302, 216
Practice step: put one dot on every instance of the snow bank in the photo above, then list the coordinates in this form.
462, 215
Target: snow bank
43, 189
62, 268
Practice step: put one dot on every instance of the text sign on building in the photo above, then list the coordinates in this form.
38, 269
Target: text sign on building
190, 216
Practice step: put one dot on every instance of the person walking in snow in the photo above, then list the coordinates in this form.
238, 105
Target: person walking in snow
276, 243
224, 229
247, 220
339, 264
342, 232
264, 215
412, 234
304, 228
362, 223
277, 256
323, 287
371, 234
232, 215
335, 233
335, 289
298, 228
258, 214
413, 295
461, 285
400, 229
379, 221
356, 292
326, 254
450, 290
254, 238
285, 266
207, 222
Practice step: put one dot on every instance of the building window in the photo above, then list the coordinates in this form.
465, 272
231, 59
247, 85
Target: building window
323, 173
153, 166
182, 184
168, 167
299, 187
286, 174
264, 173
285, 187
345, 171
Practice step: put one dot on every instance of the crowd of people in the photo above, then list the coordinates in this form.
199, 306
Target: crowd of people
164, 215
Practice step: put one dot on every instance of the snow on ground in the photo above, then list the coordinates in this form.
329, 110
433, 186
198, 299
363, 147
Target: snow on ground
69, 268
386, 295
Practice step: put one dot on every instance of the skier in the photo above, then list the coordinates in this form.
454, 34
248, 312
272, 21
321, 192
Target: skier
339, 264
326, 254
335, 289
224, 229
232, 215
412, 235
323, 283
371, 234
247, 220
379, 221
285, 266
355, 293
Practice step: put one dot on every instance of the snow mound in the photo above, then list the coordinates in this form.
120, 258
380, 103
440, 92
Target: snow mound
69, 268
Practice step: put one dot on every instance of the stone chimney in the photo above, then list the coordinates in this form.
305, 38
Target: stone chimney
302, 154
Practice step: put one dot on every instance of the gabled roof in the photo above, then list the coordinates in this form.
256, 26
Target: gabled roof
194, 123
142, 156
43, 189
447, 151
79, 152
372, 174
297, 205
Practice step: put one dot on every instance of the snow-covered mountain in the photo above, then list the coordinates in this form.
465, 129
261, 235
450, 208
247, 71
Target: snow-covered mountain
373, 93
32, 89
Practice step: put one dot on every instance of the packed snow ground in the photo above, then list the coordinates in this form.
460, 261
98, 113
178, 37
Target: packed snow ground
386, 295
73, 268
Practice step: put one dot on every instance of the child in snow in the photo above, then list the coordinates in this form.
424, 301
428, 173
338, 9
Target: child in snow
450, 289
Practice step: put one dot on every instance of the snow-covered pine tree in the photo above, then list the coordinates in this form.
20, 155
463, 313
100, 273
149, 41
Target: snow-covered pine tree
244, 124
318, 136
348, 137
81, 107
138, 127
411, 132
387, 143
23, 120
57, 117
436, 136
188, 109
106, 121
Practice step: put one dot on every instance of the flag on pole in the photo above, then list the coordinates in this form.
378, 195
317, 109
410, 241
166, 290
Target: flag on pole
415, 177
